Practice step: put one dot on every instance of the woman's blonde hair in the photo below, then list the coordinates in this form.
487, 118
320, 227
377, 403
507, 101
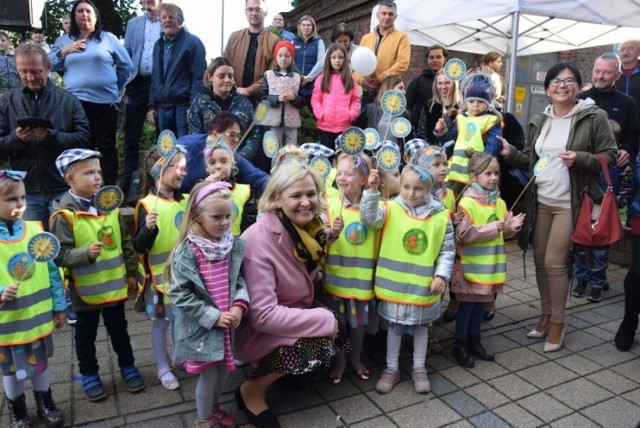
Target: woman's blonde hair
284, 177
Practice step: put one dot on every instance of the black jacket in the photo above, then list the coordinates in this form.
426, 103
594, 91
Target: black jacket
419, 92
70, 130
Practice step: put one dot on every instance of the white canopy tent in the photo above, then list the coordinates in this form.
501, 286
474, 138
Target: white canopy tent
542, 26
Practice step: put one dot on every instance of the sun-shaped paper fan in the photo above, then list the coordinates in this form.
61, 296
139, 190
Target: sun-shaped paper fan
372, 139
270, 145
261, 112
388, 158
352, 141
166, 143
43, 247
400, 127
455, 69
393, 102
542, 164
322, 166
108, 198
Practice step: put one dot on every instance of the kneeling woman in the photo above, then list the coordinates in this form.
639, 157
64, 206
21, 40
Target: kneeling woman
287, 332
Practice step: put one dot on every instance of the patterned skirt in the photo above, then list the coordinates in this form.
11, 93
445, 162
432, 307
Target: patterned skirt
26, 361
154, 303
306, 354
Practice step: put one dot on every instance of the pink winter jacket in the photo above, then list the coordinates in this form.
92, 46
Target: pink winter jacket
281, 293
335, 110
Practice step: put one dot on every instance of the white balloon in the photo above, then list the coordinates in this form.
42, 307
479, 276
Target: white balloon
364, 61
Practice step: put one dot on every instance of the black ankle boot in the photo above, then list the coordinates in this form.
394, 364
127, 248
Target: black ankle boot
459, 352
47, 410
18, 412
626, 333
476, 349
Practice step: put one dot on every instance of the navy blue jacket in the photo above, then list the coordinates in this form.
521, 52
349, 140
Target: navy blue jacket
182, 81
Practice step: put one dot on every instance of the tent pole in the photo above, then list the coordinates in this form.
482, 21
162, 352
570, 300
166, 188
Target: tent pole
513, 60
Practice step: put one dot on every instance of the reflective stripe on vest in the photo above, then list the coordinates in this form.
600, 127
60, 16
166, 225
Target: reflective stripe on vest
350, 262
408, 250
484, 262
240, 195
169, 220
104, 280
30, 316
470, 132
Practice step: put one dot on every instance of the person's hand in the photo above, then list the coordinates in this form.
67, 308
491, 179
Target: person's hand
39, 133
506, 147
336, 227
9, 293
568, 159
374, 180
152, 116
438, 285
59, 319
151, 220
75, 47
623, 158
515, 222
132, 284
501, 99
236, 314
94, 250
242, 91
305, 80
24, 134
440, 125
457, 217
501, 225
370, 84
225, 320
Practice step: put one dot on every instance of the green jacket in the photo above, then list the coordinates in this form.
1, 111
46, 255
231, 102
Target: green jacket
590, 134
197, 338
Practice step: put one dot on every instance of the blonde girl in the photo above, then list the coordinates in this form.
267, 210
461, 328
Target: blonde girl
209, 294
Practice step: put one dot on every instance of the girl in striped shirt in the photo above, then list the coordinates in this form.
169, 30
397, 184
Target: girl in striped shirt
210, 295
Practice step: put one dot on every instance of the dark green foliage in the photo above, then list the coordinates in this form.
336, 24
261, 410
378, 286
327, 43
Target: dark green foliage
308, 133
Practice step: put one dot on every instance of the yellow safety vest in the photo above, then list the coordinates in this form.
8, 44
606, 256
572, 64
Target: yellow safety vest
470, 132
408, 251
240, 195
350, 262
30, 316
104, 280
169, 220
484, 262
449, 200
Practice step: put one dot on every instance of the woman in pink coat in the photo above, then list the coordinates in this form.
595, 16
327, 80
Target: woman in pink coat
335, 99
285, 331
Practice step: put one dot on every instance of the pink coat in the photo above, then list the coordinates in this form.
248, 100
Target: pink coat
280, 291
335, 110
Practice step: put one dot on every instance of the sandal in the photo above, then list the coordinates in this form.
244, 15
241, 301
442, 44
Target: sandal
171, 384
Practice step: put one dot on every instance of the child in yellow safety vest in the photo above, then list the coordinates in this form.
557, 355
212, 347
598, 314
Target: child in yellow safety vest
477, 127
221, 166
480, 270
97, 254
157, 220
350, 262
414, 264
32, 303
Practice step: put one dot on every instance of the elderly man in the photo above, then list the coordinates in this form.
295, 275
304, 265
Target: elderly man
142, 34
251, 50
178, 67
33, 145
392, 48
621, 108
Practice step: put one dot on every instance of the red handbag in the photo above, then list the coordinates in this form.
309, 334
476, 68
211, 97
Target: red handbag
601, 229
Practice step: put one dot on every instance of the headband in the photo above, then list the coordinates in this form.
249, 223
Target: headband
423, 173
359, 162
14, 175
219, 144
162, 163
210, 189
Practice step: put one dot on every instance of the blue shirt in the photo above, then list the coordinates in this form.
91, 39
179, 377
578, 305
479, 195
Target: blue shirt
152, 31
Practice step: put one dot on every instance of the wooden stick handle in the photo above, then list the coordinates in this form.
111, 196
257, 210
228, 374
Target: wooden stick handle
522, 193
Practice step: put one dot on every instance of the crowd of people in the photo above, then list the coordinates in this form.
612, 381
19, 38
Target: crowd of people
238, 257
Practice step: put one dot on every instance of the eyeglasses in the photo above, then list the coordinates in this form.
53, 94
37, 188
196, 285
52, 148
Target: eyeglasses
179, 168
567, 81
253, 10
628, 49
233, 135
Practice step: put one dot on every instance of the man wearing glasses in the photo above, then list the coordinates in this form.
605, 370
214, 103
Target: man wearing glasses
629, 81
251, 50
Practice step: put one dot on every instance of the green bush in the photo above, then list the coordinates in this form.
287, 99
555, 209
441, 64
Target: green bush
308, 132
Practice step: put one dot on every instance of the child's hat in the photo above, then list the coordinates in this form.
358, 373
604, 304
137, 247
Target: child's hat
70, 156
317, 149
287, 44
14, 175
412, 146
478, 87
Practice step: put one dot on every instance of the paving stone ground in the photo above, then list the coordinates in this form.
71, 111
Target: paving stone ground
588, 383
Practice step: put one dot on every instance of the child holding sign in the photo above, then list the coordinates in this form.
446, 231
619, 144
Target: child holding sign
24, 294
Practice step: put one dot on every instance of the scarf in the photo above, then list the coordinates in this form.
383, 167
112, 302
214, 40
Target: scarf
492, 195
308, 242
213, 250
